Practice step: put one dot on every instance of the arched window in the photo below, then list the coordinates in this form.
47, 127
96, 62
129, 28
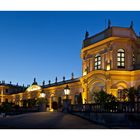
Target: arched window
97, 65
121, 58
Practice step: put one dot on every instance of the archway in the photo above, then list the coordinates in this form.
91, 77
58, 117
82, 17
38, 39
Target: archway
95, 87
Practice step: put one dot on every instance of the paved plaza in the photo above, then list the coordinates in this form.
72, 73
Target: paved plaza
47, 120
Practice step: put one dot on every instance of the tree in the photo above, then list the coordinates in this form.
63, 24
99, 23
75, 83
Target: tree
131, 93
103, 97
106, 101
6, 107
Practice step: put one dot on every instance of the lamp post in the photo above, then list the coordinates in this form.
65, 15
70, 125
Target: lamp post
67, 91
66, 101
42, 102
42, 95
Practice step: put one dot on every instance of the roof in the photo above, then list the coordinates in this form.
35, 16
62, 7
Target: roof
62, 83
110, 32
13, 89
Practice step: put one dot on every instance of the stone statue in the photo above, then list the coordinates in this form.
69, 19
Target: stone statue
72, 75
34, 80
86, 35
109, 23
43, 83
131, 25
56, 80
63, 78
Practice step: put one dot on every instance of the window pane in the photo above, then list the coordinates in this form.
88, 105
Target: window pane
118, 63
122, 59
122, 54
122, 64
99, 58
99, 62
118, 54
95, 59
118, 59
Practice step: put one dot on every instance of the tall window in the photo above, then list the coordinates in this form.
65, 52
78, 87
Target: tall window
121, 58
97, 65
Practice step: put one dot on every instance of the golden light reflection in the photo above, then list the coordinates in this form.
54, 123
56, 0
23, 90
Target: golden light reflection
51, 110
84, 73
108, 67
33, 88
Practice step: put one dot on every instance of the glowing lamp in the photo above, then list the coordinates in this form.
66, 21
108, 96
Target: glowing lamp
67, 90
108, 67
84, 73
42, 95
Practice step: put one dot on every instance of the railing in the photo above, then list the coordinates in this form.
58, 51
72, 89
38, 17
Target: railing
116, 107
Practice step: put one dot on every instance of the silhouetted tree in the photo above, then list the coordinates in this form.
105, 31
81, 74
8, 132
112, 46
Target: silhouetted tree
103, 97
131, 93
6, 107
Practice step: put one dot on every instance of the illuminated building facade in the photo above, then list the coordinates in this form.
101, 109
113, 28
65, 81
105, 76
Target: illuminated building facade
110, 62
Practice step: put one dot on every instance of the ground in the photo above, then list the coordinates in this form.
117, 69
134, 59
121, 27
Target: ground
47, 120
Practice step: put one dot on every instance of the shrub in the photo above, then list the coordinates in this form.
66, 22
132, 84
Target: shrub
103, 97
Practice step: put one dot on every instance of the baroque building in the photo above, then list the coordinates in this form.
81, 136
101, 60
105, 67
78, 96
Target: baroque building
110, 62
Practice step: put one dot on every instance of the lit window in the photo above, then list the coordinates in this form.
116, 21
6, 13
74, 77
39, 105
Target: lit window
122, 54
97, 62
118, 54
118, 63
121, 58
118, 59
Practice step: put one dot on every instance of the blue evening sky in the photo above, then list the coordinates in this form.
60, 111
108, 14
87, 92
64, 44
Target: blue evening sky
48, 44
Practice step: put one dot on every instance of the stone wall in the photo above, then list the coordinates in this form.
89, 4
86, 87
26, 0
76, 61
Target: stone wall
128, 120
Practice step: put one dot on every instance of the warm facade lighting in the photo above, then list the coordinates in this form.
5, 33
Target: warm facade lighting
84, 73
33, 88
42, 95
108, 67
67, 90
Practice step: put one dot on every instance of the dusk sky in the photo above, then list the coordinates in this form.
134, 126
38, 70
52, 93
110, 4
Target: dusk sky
48, 44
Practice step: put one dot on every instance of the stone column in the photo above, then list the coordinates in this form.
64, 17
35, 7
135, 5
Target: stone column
102, 62
50, 103
85, 94
2, 92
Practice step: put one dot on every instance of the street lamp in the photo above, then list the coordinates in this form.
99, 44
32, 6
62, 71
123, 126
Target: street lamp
67, 101
42, 95
42, 101
67, 91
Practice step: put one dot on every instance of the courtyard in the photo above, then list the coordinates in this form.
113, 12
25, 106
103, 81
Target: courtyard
47, 120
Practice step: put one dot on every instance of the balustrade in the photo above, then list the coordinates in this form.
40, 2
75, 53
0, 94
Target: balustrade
110, 107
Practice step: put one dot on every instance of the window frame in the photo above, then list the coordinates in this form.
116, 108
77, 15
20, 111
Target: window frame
121, 58
97, 62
